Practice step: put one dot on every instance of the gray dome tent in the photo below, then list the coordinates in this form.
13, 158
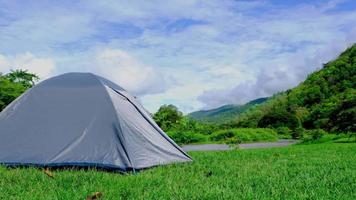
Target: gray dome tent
80, 119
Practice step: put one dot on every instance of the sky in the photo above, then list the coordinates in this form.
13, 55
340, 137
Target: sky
195, 54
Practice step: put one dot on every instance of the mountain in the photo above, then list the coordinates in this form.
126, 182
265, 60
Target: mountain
224, 113
325, 100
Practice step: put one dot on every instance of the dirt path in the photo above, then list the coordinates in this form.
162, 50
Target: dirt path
224, 147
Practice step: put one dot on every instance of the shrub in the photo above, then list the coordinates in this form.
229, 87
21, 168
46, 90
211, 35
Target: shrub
283, 131
316, 134
233, 140
239, 135
263, 134
187, 124
352, 135
186, 137
298, 133
222, 135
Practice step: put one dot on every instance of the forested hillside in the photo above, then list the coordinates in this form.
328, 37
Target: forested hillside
326, 100
224, 113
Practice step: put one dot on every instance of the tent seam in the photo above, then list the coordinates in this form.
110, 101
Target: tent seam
150, 122
117, 119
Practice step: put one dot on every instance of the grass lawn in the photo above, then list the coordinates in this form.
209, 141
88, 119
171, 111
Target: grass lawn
319, 171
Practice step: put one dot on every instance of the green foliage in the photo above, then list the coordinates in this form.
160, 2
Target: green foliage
188, 124
298, 133
13, 85
187, 130
23, 77
278, 118
244, 135
233, 140
167, 117
317, 136
320, 171
284, 131
182, 130
343, 117
187, 137
223, 135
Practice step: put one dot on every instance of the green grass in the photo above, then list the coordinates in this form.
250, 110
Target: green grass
319, 171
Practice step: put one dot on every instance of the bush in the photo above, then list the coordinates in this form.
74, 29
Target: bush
186, 137
298, 133
239, 135
316, 134
222, 135
187, 124
285, 131
233, 140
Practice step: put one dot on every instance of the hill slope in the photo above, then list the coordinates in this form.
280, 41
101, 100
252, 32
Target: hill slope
326, 100
223, 113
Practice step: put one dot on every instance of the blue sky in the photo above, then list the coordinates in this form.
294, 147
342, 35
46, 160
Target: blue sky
194, 54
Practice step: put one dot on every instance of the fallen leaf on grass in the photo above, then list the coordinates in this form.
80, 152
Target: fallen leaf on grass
48, 173
96, 195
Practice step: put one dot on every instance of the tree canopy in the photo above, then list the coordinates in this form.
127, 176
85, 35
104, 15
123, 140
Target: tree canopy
14, 84
167, 116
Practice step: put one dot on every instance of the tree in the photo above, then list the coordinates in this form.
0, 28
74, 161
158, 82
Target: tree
167, 117
23, 77
343, 118
279, 118
13, 85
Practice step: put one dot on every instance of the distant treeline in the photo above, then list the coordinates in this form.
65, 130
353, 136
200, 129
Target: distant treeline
185, 130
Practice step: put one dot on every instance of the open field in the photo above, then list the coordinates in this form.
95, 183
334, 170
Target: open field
319, 171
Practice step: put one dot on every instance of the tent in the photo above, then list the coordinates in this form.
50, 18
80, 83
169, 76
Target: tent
81, 119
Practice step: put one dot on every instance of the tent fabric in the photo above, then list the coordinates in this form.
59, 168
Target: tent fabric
81, 119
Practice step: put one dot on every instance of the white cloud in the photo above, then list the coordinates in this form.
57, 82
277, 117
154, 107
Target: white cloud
3, 63
219, 52
183, 96
43, 67
283, 72
129, 73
